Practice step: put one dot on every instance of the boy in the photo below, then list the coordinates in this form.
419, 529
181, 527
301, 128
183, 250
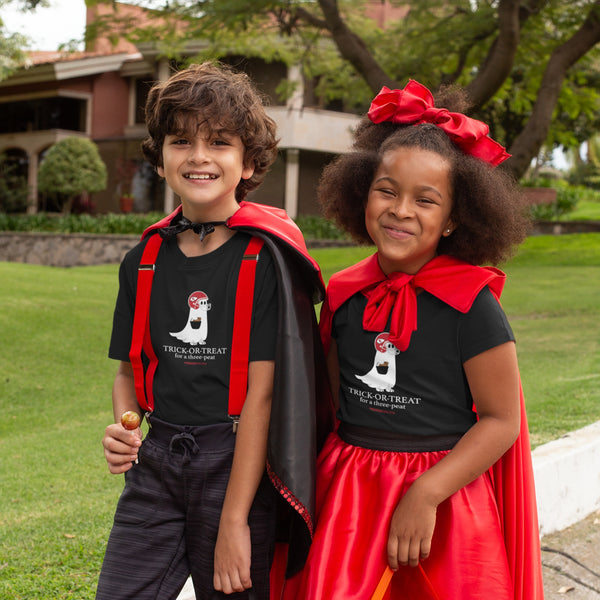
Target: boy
197, 499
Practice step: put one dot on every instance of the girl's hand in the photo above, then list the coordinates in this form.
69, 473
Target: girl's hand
121, 447
232, 558
411, 530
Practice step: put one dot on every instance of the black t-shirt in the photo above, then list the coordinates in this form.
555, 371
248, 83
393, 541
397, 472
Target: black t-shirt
424, 390
191, 324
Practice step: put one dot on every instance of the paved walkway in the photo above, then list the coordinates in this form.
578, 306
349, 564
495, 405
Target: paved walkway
571, 561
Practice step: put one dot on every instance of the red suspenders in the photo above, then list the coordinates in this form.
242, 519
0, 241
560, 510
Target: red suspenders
240, 341
240, 345
140, 338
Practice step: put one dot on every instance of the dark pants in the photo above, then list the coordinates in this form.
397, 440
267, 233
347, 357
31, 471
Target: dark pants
167, 518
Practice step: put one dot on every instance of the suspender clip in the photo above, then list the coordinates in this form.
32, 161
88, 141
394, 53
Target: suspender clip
146, 268
236, 422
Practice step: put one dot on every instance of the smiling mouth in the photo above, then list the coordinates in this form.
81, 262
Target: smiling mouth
396, 232
199, 177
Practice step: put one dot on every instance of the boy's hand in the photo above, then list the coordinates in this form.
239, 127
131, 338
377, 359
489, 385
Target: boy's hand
232, 558
121, 447
411, 530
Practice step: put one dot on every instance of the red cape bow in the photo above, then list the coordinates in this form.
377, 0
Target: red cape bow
451, 280
414, 104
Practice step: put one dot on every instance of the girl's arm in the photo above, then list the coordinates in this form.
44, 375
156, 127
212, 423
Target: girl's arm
121, 446
232, 552
493, 378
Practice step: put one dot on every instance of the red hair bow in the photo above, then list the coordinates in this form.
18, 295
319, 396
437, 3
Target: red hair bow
414, 104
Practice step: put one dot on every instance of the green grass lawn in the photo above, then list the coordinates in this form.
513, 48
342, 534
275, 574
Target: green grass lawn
56, 496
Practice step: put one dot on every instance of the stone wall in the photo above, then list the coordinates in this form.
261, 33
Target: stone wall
59, 250
81, 249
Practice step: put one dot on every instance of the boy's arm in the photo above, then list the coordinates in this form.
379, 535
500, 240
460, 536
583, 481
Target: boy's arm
120, 445
232, 552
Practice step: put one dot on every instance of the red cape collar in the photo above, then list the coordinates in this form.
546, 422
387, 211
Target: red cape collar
451, 280
258, 217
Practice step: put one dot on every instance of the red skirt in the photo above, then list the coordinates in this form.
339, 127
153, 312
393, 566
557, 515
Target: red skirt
357, 492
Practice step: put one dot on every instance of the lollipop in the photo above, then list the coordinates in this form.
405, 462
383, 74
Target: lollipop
130, 420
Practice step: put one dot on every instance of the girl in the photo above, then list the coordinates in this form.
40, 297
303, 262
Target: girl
428, 477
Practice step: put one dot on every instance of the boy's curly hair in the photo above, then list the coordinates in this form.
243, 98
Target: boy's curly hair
488, 212
215, 96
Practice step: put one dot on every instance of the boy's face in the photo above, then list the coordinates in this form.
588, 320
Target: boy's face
203, 168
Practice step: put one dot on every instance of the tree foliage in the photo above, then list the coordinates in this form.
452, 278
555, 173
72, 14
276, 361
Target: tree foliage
531, 66
71, 167
12, 45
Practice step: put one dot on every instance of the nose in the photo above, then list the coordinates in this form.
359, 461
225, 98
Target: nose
198, 151
402, 207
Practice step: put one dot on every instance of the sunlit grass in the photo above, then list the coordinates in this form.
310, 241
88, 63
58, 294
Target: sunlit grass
57, 498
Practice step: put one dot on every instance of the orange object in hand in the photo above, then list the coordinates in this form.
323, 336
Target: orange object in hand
130, 420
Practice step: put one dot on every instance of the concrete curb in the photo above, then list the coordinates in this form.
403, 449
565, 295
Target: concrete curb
567, 481
567, 478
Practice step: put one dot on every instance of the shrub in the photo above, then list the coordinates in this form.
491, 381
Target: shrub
70, 168
312, 227
567, 197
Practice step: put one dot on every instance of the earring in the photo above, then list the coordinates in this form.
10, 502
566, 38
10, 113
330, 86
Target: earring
448, 230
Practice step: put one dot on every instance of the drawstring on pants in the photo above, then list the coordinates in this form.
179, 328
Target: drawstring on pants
184, 443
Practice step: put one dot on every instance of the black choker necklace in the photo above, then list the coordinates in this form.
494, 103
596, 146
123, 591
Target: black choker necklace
183, 224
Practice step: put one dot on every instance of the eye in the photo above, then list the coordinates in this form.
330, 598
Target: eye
384, 191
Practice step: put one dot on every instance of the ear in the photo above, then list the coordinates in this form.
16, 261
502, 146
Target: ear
450, 227
160, 171
247, 172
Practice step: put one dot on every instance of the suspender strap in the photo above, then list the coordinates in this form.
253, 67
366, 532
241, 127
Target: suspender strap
240, 344
141, 326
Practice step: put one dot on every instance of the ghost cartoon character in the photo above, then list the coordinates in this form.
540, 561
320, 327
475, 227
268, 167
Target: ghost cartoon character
382, 377
196, 328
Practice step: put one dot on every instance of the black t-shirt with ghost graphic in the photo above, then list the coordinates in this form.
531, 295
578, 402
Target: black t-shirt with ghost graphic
191, 325
424, 390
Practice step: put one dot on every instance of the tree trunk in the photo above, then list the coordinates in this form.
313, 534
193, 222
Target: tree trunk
500, 60
353, 49
528, 143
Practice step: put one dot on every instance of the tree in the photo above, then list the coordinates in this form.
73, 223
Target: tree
13, 46
70, 168
531, 67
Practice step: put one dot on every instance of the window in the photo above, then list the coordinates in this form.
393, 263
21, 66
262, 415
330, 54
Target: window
39, 114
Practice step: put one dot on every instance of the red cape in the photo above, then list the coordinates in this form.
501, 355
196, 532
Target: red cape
458, 283
258, 217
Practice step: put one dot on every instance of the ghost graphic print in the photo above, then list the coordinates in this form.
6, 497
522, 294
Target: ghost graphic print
196, 328
382, 376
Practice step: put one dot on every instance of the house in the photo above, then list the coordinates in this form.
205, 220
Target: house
100, 94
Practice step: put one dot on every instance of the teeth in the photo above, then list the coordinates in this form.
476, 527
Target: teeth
205, 176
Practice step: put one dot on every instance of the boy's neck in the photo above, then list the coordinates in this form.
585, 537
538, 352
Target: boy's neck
190, 244
208, 213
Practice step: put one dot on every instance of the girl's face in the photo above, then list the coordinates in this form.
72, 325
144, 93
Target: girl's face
204, 168
408, 208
